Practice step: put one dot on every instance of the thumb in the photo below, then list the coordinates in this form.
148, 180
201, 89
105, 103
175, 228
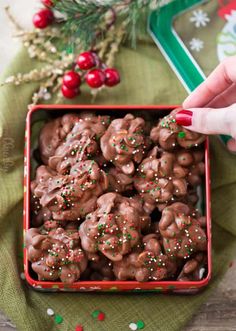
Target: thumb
209, 120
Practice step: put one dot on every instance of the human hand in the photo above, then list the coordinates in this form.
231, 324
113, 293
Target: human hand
211, 107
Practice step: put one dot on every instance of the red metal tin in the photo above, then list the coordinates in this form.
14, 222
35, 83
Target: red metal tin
112, 286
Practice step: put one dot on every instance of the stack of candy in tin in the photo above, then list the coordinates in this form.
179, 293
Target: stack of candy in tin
115, 199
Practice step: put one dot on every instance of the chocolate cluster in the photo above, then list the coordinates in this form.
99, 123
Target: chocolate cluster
57, 254
125, 143
147, 262
169, 135
69, 139
69, 197
114, 228
114, 199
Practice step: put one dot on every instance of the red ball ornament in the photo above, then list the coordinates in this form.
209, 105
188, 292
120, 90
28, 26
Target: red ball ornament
95, 78
71, 80
86, 60
43, 18
112, 77
47, 3
69, 93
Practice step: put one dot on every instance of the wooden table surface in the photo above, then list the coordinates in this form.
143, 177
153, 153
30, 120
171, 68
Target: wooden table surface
219, 312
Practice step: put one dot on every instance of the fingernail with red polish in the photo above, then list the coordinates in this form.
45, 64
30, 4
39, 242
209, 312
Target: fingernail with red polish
184, 117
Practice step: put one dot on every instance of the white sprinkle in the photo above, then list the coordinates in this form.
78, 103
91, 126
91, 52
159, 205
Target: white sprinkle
50, 312
201, 272
133, 326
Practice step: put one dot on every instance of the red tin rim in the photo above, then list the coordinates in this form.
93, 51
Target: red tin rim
120, 285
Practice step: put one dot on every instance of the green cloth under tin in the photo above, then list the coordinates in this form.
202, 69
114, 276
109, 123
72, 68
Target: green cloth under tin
147, 79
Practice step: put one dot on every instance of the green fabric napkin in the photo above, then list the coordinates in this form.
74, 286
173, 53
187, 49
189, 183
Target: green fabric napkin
147, 79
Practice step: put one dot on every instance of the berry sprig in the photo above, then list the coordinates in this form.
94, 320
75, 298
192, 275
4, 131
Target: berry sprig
64, 71
90, 69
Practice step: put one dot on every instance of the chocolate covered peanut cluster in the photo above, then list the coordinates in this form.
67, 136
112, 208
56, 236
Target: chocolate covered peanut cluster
70, 139
182, 231
114, 228
147, 264
70, 197
169, 135
125, 143
56, 254
159, 179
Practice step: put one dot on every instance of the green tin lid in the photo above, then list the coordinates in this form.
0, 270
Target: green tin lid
162, 30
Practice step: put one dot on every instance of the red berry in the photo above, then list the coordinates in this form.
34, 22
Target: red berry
101, 316
86, 60
112, 77
95, 78
71, 80
43, 18
47, 3
69, 93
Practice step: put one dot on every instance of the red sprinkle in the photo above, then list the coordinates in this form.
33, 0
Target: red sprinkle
79, 328
101, 316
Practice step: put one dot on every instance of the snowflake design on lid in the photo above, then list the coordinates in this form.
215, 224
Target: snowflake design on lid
199, 18
196, 44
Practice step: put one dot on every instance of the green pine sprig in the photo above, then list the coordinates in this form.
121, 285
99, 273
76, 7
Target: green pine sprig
84, 22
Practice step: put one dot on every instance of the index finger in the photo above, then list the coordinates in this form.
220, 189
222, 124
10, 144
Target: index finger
217, 82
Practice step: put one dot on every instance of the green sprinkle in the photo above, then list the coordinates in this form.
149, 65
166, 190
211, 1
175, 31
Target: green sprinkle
58, 319
95, 313
140, 324
124, 148
181, 134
